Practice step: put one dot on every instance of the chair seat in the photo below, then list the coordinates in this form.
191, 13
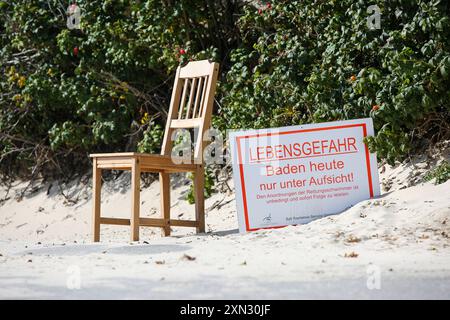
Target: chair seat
147, 162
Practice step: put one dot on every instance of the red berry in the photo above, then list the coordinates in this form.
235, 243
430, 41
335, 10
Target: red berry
182, 51
259, 11
375, 107
75, 51
269, 5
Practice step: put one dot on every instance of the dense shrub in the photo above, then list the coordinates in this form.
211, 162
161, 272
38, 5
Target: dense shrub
440, 174
102, 88
317, 60
65, 93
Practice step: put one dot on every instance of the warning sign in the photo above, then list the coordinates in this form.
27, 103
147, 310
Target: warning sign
293, 175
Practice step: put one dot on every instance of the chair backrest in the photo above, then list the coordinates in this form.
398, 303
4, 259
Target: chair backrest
191, 103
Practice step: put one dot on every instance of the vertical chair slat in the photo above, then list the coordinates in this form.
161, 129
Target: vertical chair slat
202, 100
191, 98
183, 99
197, 96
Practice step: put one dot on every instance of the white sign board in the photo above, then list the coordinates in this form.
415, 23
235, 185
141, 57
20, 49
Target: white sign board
293, 175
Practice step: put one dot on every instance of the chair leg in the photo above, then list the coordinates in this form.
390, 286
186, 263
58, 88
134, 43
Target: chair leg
199, 184
135, 199
164, 181
96, 199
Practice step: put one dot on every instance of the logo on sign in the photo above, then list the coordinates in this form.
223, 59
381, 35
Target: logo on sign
267, 219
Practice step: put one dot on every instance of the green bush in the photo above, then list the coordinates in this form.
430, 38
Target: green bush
441, 173
317, 60
208, 188
105, 88
152, 139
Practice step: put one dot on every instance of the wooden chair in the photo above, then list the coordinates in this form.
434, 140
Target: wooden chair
190, 107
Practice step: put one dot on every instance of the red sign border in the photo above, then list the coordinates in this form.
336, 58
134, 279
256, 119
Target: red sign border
241, 166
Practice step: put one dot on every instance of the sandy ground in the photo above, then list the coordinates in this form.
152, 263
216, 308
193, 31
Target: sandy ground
396, 246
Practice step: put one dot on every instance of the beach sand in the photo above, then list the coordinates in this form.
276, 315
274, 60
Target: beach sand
395, 246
